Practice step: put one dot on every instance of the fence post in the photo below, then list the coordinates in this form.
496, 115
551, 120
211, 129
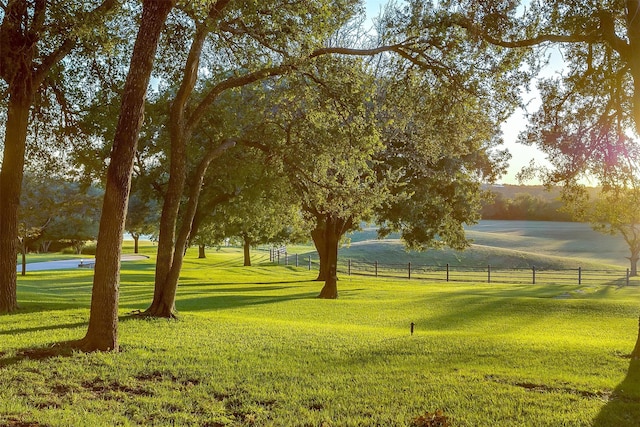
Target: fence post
296, 260
627, 277
376, 264
489, 273
309, 262
286, 258
579, 275
534, 274
409, 271
278, 257
349, 266
447, 272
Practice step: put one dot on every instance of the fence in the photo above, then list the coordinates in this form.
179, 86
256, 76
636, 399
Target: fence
448, 273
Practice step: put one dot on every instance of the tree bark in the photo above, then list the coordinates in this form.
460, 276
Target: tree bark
635, 354
332, 235
179, 135
247, 251
319, 241
20, 99
633, 260
164, 295
201, 252
23, 251
102, 333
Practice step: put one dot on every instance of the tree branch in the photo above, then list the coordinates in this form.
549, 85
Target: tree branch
239, 81
69, 43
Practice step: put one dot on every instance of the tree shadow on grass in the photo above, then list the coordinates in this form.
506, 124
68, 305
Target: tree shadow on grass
222, 302
43, 328
257, 288
623, 407
63, 348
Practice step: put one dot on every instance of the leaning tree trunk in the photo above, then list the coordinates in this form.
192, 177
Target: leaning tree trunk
164, 295
246, 251
102, 333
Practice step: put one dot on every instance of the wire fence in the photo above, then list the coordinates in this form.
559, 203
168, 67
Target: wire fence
456, 273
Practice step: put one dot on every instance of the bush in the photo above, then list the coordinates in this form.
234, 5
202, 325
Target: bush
89, 249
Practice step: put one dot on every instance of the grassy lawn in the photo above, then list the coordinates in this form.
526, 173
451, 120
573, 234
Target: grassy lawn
253, 346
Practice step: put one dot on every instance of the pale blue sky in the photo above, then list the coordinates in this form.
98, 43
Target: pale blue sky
521, 154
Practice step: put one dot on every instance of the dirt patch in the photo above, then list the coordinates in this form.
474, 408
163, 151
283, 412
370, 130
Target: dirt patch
543, 388
15, 422
431, 419
104, 390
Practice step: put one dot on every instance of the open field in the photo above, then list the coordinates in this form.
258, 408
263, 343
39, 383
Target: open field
505, 244
254, 347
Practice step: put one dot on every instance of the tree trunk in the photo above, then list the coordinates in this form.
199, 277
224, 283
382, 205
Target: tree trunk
332, 234
635, 354
44, 246
164, 295
179, 135
20, 98
319, 241
136, 238
633, 261
24, 261
247, 251
102, 333
201, 252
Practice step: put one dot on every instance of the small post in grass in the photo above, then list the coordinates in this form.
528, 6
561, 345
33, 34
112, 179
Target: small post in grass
579, 275
376, 265
296, 260
349, 266
447, 272
409, 271
627, 277
412, 325
489, 273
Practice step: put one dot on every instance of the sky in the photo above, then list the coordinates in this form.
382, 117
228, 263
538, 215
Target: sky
521, 154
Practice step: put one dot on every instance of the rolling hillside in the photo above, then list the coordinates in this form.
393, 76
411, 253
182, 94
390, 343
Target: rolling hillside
508, 244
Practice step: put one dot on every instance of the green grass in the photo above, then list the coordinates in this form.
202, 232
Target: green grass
253, 346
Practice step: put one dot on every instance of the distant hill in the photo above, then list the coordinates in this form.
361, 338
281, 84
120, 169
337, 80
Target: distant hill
504, 244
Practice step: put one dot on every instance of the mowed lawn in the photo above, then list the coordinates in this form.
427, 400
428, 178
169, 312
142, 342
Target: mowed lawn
253, 346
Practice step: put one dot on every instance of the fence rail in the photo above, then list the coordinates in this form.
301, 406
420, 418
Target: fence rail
449, 273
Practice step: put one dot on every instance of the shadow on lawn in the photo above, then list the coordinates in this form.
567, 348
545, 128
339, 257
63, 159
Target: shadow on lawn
63, 348
219, 302
623, 407
257, 288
